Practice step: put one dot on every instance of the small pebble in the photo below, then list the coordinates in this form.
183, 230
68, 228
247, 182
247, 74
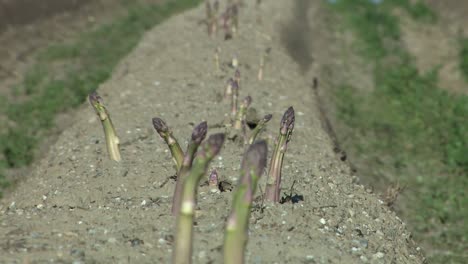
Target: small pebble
323, 221
378, 255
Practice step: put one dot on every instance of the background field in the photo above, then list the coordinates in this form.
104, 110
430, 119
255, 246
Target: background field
398, 101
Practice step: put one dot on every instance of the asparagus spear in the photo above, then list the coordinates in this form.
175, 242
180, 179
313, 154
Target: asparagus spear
263, 58
182, 252
235, 238
237, 76
213, 181
235, 61
240, 116
235, 95
235, 19
216, 58
198, 135
112, 140
164, 131
209, 17
272, 191
228, 90
261, 124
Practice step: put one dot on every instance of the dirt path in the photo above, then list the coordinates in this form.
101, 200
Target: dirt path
79, 206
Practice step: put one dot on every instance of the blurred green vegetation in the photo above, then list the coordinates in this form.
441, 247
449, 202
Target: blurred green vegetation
464, 58
65, 73
409, 127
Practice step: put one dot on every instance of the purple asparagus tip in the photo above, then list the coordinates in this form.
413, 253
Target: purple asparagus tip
256, 157
213, 180
268, 117
214, 143
287, 122
94, 98
160, 125
199, 132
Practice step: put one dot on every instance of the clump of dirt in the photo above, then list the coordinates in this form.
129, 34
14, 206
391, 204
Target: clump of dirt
80, 206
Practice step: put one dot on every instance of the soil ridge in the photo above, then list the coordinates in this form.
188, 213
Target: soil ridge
80, 206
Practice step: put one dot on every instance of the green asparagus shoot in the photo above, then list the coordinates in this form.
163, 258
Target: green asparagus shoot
228, 90
235, 19
235, 61
182, 252
236, 237
198, 135
263, 59
237, 76
273, 186
258, 128
164, 131
216, 58
112, 140
235, 96
240, 116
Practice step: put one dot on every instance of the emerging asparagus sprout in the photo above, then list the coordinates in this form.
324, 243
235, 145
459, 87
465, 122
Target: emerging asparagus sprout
209, 12
235, 238
182, 252
235, 61
235, 19
216, 58
198, 135
240, 116
209, 17
260, 126
235, 96
273, 186
164, 131
214, 18
263, 58
112, 140
213, 181
237, 76
228, 91
226, 17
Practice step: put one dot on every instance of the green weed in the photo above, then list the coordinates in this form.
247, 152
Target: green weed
464, 58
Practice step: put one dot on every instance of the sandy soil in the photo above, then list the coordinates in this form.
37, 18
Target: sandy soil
80, 207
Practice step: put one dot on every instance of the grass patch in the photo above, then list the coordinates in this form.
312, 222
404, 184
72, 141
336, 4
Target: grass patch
65, 73
464, 58
409, 128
